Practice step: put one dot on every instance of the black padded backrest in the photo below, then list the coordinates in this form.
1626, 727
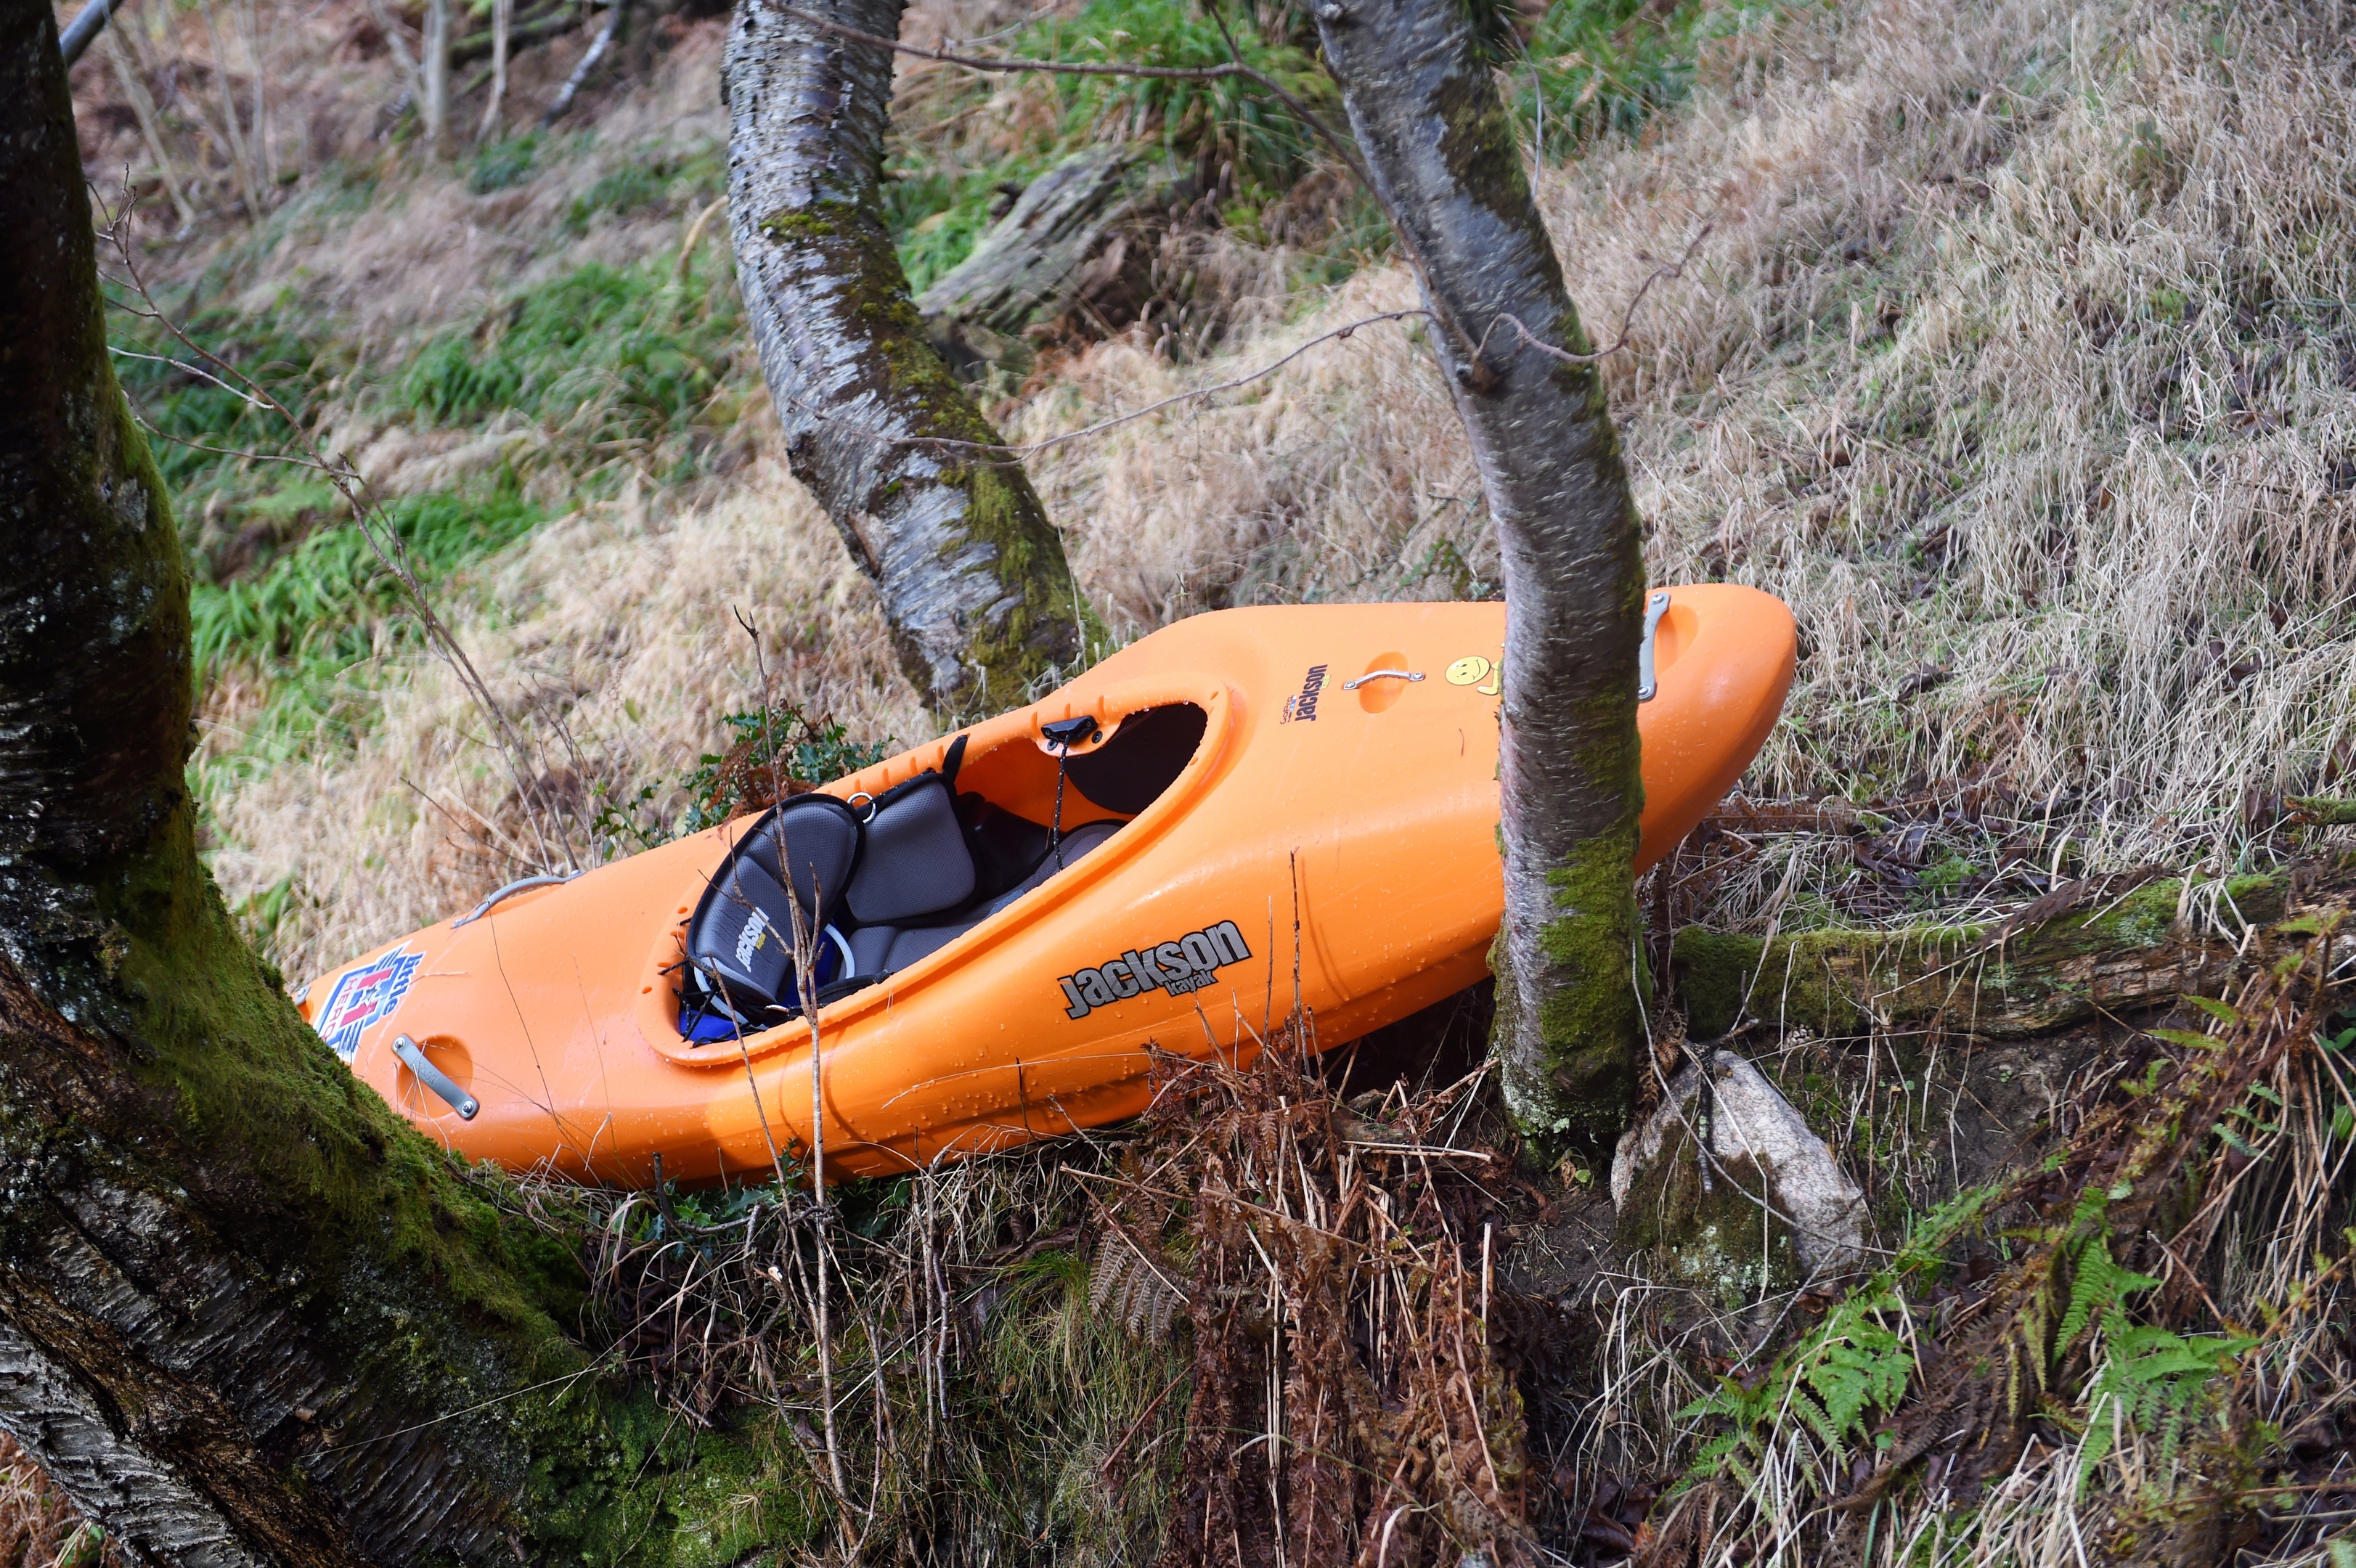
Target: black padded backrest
819, 840
916, 862
740, 939
1143, 758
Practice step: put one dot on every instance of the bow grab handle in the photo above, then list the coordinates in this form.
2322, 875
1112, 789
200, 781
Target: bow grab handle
433, 1078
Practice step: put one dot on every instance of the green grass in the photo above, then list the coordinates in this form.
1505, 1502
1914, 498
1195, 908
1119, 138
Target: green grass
1230, 133
503, 164
1587, 69
636, 364
676, 184
1599, 69
603, 354
318, 607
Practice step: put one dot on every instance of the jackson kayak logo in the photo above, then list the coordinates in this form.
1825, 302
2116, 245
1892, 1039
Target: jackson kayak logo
1186, 965
1302, 705
749, 940
365, 996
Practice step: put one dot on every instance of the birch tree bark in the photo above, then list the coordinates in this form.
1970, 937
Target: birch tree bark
1441, 151
979, 598
436, 109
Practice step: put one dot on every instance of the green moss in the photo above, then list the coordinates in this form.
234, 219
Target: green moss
620, 1480
1000, 509
1712, 971
1590, 1019
1478, 143
1839, 982
1721, 1239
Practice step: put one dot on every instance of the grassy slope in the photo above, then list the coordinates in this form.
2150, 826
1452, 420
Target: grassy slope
2016, 357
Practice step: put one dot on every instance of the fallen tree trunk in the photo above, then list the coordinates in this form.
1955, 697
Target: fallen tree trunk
1079, 240
2125, 951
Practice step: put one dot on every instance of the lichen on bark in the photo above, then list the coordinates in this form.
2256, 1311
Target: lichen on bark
976, 589
1568, 1017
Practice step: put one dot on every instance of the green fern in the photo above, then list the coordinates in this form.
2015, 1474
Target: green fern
2152, 1379
1853, 1362
2100, 1285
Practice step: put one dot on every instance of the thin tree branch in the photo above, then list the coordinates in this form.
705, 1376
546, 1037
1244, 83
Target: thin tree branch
382, 539
1011, 454
1016, 64
615, 18
1529, 339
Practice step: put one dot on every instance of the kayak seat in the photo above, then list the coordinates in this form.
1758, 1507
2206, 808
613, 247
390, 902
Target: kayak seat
879, 950
1005, 848
915, 862
740, 939
1078, 842
902, 878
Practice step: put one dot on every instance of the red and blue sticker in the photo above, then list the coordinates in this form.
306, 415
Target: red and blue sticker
364, 997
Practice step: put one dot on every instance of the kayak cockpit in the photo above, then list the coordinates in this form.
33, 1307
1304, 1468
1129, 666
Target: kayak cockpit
872, 884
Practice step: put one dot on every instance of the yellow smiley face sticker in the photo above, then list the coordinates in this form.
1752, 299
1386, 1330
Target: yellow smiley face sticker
1467, 670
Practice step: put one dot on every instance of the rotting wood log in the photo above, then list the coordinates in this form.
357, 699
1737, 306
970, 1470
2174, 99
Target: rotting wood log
522, 34
1080, 238
2003, 980
1446, 160
976, 591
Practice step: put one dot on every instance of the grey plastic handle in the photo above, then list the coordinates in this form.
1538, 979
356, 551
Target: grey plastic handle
1654, 608
433, 1078
519, 885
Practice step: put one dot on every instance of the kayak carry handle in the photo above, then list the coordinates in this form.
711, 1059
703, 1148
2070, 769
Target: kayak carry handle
433, 1078
1655, 606
1381, 674
1065, 733
519, 885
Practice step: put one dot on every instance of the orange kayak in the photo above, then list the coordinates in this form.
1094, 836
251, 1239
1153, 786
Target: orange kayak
996, 926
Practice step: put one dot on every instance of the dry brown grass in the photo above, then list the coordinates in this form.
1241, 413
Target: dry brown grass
2020, 357
2017, 353
38, 1529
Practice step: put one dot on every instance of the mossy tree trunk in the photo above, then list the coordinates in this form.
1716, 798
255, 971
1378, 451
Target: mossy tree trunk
1440, 150
979, 596
247, 1315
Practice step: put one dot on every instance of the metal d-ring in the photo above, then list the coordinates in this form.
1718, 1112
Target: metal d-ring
1381, 674
859, 795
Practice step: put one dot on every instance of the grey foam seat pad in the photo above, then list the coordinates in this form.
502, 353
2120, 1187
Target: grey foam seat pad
881, 949
916, 862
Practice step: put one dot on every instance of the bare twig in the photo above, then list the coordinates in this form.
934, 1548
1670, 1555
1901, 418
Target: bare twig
151, 124
1529, 339
614, 20
389, 26
1008, 454
240, 157
382, 541
502, 20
